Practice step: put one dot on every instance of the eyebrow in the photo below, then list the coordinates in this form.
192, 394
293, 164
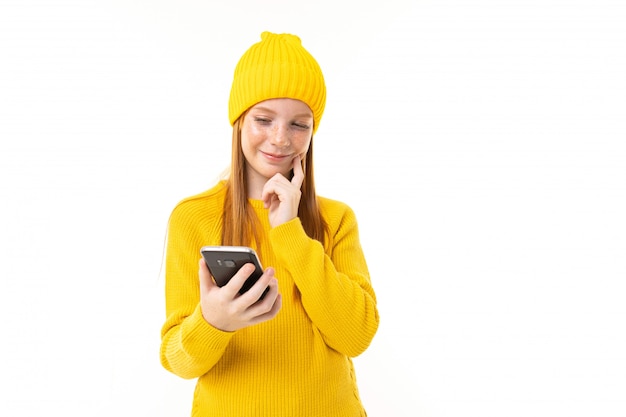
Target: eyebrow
274, 112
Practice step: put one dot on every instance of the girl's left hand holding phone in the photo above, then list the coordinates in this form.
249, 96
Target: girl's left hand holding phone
227, 310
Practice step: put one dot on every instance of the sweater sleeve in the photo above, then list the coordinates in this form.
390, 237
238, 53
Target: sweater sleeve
189, 345
335, 287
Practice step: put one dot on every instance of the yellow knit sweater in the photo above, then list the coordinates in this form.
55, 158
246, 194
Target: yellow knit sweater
297, 364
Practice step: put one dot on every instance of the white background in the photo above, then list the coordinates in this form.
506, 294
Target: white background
481, 144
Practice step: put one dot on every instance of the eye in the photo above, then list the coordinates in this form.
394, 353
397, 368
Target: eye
302, 126
262, 120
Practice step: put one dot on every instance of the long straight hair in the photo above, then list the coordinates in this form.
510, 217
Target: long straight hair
240, 223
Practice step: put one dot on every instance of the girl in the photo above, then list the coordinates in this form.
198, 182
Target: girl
288, 353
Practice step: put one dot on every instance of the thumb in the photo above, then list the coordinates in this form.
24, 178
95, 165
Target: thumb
206, 282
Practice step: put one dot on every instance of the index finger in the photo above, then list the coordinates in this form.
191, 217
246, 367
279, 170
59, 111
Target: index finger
236, 282
298, 173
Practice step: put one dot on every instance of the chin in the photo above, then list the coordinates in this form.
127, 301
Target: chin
271, 171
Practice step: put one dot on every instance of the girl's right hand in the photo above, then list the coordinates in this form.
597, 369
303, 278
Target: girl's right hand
227, 310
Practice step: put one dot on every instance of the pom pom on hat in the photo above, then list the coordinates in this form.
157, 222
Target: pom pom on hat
277, 67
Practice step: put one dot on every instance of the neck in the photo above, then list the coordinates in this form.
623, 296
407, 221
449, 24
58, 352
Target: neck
255, 187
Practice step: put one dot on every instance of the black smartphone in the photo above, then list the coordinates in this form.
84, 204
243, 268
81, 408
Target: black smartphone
225, 261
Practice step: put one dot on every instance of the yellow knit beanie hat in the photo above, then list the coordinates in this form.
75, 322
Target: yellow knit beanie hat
277, 67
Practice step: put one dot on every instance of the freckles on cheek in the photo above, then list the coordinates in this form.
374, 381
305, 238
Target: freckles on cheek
252, 136
256, 133
305, 148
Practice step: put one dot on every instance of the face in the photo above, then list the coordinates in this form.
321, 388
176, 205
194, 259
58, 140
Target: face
273, 133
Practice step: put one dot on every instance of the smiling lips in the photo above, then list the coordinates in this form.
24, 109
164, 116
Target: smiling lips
275, 157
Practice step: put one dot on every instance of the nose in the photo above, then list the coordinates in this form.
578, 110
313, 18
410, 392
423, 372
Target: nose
281, 137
